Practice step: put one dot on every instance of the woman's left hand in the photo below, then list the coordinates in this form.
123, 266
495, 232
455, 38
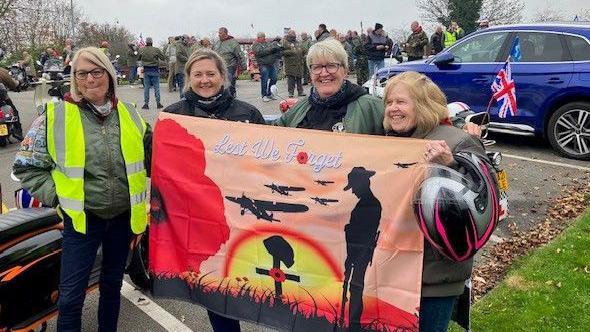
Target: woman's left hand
438, 152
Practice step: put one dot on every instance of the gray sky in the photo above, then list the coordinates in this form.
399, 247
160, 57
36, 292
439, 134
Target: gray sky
161, 18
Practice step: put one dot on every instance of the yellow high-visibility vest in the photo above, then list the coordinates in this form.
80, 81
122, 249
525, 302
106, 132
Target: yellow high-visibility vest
65, 144
450, 38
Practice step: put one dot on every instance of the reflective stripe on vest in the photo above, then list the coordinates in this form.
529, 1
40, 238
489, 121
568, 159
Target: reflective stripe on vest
66, 146
450, 38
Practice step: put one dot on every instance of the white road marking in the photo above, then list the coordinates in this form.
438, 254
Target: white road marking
547, 162
157, 313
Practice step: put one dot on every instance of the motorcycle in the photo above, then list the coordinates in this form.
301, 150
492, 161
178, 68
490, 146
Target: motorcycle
18, 72
10, 125
30, 258
53, 84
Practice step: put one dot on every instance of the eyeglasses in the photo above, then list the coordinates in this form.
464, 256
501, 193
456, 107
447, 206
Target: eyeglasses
96, 73
331, 68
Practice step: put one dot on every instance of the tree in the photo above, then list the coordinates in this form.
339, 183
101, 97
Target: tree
583, 14
548, 14
5, 6
495, 11
499, 12
118, 37
465, 13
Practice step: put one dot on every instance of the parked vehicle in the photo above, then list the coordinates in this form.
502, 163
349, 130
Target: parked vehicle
10, 126
18, 72
53, 83
552, 80
30, 256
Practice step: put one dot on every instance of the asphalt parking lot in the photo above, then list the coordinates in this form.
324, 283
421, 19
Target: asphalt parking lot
536, 174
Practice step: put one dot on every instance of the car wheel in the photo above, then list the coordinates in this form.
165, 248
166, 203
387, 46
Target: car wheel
569, 130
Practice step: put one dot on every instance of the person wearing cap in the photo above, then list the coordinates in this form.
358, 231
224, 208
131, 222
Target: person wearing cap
150, 57
361, 235
322, 33
376, 47
416, 42
89, 158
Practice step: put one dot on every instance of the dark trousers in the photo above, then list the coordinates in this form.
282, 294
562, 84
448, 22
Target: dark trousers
132, 74
358, 268
291, 82
77, 260
232, 76
435, 313
222, 323
268, 78
179, 77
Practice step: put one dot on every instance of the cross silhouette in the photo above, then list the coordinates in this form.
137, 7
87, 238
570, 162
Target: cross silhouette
281, 251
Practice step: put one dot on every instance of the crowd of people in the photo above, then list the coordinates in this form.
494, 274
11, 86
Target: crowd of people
106, 202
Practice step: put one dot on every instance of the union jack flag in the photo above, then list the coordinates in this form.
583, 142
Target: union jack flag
25, 200
140, 43
504, 91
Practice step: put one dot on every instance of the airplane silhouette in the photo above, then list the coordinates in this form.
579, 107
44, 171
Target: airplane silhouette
324, 201
283, 190
404, 165
323, 183
260, 208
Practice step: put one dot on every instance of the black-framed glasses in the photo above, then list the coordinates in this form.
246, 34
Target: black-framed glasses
331, 68
82, 74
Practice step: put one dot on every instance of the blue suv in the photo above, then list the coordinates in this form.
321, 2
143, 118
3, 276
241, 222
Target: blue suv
552, 80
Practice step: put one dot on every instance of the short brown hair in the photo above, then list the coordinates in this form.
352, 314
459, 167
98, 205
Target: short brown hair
430, 101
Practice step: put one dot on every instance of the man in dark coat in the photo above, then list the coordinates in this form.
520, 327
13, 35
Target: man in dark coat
293, 61
436, 40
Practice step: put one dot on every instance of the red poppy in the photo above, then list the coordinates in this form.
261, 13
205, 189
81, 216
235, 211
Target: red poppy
302, 157
277, 274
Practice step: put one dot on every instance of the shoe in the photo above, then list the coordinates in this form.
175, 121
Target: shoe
291, 96
145, 107
301, 95
159, 106
265, 99
273, 97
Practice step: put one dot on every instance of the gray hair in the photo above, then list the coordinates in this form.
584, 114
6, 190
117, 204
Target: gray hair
261, 35
202, 54
329, 49
98, 58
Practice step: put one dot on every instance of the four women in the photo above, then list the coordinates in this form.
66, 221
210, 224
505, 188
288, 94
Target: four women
109, 143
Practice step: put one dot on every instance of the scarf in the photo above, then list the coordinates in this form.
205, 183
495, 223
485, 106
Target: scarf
214, 106
326, 112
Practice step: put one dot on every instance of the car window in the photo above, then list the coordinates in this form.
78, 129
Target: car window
481, 48
579, 47
540, 47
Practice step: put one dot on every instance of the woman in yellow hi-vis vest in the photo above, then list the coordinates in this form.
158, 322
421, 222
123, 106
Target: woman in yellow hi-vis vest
88, 156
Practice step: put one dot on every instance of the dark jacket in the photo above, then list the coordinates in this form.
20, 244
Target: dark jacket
225, 107
266, 53
151, 56
373, 41
415, 44
132, 56
325, 34
436, 40
293, 58
182, 54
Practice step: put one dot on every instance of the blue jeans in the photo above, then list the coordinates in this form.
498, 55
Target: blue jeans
179, 78
223, 324
435, 313
132, 74
268, 78
77, 261
375, 65
151, 78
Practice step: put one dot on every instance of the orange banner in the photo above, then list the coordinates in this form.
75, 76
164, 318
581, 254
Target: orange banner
296, 229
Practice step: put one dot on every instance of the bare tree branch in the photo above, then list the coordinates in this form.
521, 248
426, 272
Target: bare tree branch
434, 11
502, 11
548, 14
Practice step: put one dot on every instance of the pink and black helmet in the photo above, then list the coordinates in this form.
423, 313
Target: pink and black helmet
458, 212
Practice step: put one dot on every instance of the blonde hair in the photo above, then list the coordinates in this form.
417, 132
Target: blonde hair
329, 48
430, 102
202, 54
98, 58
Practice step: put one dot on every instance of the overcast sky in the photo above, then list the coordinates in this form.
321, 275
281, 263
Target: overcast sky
162, 18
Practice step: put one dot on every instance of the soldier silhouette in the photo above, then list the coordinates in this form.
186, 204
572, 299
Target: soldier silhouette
361, 238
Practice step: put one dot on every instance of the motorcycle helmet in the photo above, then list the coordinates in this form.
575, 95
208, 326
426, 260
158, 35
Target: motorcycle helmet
457, 212
458, 109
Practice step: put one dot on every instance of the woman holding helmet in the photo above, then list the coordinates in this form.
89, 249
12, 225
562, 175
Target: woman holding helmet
416, 107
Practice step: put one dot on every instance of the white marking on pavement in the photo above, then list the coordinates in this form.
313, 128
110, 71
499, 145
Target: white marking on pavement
554, 163
157, 313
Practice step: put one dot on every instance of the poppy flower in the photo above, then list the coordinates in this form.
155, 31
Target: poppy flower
277, 274
302, 157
